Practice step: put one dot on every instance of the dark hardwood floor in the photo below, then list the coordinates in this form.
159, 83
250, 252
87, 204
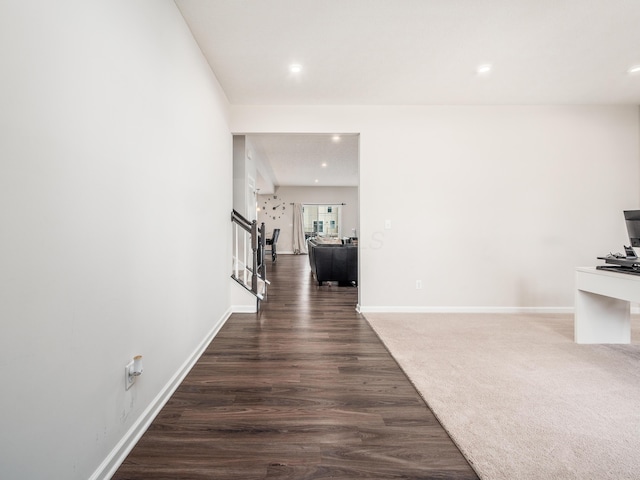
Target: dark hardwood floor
303, 390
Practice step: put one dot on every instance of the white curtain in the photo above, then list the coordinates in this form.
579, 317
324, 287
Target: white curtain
299, 243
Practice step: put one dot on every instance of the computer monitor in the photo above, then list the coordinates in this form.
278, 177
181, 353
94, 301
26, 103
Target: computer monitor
632, 218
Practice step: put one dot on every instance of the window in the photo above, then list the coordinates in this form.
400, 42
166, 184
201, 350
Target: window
321, 220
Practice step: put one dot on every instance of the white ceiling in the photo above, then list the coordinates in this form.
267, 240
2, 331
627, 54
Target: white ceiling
297, 159
412, 52
420, 51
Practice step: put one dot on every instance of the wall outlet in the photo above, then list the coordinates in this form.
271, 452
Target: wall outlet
418, 284
129, 379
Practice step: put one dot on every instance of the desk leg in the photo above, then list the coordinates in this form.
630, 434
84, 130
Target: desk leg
601, 319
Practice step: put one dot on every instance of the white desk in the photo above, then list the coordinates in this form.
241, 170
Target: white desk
602, 310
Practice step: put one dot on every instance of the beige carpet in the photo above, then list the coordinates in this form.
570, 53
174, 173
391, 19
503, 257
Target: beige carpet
519, 397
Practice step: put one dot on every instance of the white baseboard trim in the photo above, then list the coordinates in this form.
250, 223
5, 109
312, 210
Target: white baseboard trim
416, 309
244, 308
119, 453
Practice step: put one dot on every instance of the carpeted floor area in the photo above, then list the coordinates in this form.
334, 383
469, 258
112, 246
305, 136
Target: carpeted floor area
519, 397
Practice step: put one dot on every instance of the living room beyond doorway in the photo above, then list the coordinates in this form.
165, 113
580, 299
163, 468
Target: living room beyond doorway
276, 173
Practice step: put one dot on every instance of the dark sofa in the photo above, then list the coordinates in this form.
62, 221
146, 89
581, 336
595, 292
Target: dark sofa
333, 263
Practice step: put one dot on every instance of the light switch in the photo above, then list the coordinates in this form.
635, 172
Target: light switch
387, 224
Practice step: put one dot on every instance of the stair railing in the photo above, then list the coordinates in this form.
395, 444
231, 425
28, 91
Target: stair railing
248, 268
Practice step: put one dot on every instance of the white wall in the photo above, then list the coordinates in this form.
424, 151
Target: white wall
288, 195
491, 207
115, 193
244, 179
263, 180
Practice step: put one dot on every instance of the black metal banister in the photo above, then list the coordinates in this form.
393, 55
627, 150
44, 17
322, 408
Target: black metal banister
254, 239
241, 221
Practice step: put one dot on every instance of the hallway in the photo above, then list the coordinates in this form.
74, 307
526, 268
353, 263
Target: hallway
303, 390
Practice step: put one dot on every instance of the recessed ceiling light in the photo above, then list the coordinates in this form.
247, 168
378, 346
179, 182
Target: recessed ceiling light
316, 180
295, 68
336, 138
324, 164
634, 69
483, 69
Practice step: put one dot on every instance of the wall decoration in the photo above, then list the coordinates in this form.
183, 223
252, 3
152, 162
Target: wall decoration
274, 207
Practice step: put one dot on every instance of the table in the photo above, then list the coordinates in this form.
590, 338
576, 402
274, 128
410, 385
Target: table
602, 308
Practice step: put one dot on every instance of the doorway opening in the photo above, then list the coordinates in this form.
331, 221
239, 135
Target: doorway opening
318, 171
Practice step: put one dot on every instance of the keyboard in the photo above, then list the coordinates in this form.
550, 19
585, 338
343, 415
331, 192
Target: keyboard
615, 268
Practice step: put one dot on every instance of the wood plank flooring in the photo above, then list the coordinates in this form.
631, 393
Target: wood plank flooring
303, 390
